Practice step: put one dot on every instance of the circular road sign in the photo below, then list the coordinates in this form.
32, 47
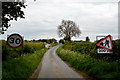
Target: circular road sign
14, 40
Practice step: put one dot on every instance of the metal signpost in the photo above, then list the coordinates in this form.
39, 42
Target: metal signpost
14, 40
104, 45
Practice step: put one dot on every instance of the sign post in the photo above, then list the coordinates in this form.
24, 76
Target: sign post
104, 46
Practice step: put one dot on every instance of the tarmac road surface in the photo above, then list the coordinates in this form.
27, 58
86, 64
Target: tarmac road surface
53, 67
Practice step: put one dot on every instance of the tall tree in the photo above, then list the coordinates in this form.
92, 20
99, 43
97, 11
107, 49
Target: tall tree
87, 39
61, 41
68, 29
11, 11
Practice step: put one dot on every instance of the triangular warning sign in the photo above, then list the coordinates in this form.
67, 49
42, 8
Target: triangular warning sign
106, 43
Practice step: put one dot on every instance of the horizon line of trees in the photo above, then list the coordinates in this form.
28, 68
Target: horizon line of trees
49, 41
53, 40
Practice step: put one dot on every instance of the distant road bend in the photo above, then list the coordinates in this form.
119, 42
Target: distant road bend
53, 67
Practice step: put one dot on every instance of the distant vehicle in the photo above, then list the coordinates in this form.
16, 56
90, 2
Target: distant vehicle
48, 46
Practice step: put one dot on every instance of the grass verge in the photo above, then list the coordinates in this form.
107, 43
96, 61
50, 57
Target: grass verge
22, 67
97, 68
54, 44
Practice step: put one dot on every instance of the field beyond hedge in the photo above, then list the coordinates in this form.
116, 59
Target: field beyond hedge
83, 56
27, 48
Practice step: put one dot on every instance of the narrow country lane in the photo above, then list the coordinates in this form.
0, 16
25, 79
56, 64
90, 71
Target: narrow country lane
53, 67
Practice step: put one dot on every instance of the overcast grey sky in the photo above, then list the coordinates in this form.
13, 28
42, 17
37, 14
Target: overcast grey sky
43, 16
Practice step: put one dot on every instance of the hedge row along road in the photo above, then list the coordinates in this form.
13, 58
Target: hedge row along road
53, 67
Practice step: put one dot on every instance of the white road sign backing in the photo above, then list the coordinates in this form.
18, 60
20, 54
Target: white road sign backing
101, 50
106, 43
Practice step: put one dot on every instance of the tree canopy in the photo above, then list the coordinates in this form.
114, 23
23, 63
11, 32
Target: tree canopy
11, 11
68, 29
87, 39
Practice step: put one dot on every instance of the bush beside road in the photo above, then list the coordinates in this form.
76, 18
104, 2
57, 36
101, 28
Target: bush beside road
21, 62
27, 48
89, 48
22, 67
83, 56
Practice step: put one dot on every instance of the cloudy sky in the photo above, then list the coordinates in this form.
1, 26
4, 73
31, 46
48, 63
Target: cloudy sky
43, 16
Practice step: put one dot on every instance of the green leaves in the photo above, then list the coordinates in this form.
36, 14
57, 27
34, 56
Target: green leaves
97, 68
22, 67
11, 11
28, 47
89, 48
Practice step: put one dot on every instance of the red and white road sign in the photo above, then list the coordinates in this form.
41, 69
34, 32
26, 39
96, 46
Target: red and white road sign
106, 43
15, 40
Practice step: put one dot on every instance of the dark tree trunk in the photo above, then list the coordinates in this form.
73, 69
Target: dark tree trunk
67, 38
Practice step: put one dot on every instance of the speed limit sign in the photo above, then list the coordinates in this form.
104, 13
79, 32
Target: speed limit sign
14, 40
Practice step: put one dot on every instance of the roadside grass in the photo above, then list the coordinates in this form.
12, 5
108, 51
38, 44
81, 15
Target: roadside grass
22, 67
97, 68
89, 48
